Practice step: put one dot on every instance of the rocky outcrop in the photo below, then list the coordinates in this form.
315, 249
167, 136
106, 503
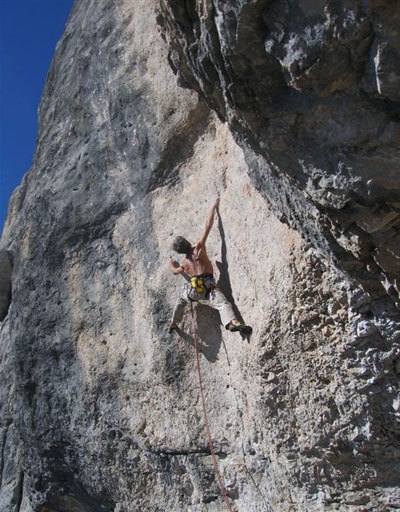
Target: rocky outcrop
5, 282
99, 405
310, 91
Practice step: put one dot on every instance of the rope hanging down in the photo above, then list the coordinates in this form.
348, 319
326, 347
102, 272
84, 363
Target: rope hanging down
203, 401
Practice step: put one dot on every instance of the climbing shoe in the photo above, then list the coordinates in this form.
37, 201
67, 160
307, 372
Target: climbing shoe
245, 329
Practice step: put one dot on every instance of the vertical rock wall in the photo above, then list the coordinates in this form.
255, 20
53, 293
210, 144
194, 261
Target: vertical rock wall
100, 406
320, 78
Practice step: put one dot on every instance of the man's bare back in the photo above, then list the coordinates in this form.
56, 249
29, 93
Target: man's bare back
198, 262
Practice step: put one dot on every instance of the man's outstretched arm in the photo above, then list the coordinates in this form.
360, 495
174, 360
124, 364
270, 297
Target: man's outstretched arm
209, 222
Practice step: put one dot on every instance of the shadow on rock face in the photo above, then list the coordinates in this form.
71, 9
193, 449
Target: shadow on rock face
6, 265
208, 332
224, 279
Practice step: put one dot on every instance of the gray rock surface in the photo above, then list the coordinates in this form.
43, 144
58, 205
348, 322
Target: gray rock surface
5, 282
310, 91
99, 406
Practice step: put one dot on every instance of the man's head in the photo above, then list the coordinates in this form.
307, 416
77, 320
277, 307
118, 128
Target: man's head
181, 245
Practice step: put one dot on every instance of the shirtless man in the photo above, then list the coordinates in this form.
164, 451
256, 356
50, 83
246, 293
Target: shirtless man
202, 287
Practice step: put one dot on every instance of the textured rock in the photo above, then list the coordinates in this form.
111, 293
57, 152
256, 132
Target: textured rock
100, 407
5, 282
320, 78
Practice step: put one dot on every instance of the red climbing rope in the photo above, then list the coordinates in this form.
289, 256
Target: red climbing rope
203, 401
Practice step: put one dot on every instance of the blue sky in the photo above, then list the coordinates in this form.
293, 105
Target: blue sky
29, 31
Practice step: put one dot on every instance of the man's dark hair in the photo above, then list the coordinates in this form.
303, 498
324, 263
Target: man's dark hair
181, 245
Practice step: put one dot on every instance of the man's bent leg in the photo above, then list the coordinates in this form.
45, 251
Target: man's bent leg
218, 301
179, 309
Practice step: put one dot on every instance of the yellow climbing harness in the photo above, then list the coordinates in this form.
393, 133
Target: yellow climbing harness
197, 282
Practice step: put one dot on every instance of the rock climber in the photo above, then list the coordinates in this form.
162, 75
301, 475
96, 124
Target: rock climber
202, 287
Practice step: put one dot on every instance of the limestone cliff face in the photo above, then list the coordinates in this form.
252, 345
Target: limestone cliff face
310, 91
100, 406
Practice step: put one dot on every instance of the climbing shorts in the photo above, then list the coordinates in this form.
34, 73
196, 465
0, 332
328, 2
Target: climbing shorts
213, 298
